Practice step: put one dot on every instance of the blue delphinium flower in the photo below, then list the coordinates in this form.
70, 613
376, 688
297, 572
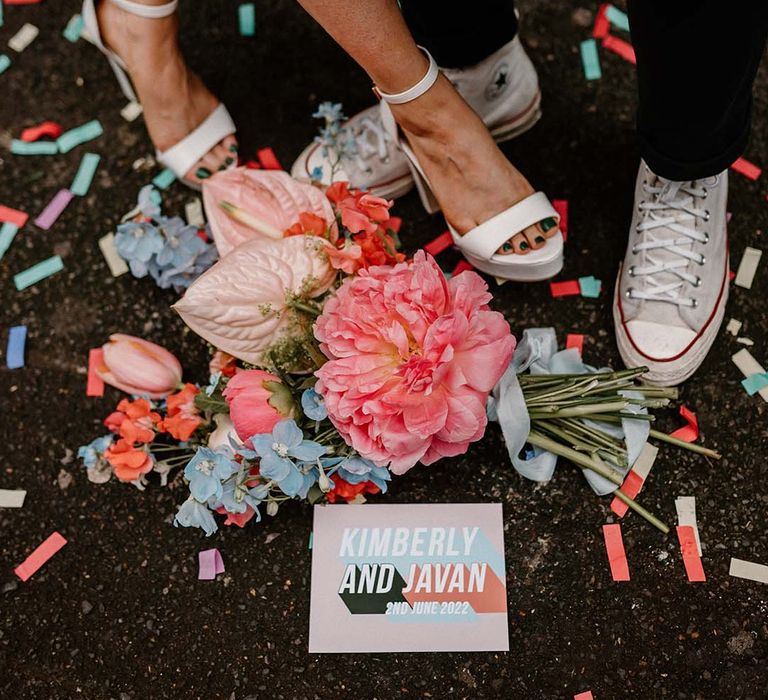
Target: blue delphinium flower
207, 469
195, 514
182, 244
149, 202
355, 470
138, 243
313, 405
236, 497
94, 450
316, 173
330, 111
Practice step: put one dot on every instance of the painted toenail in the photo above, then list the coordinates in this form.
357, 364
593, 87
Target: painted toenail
229, 161
548, 224
524, 246
233, 148
539, 239
202, 173
507, 247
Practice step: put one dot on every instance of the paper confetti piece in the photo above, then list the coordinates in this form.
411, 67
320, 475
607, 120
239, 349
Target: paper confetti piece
586, 695
194, 212
633, 482
5, 62
24, 37
268, 159
7, 234
36, 148
56, 206
74, 137
755, 382
439, 244
12, 498
41, 555
247, 19
749, 570
745, 341
733, 326
620, 47
13, 216
617, 558
164, 179
745, 168
602, 25
568, 288
82, 182
311, 538
590, 287
691, 559
748, 365
14, 353
210, 564
561, 207
590, 61
117, 266
574, 340
38, 272
131, 111
95, 385
745, 275
463, 266
685, 506
617, 18
74, 28
690, 432
50, 129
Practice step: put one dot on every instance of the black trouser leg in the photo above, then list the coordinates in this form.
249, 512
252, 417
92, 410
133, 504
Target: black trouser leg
458, 35
696, 62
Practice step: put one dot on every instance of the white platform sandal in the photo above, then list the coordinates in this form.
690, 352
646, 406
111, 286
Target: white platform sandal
479, 245
216, 126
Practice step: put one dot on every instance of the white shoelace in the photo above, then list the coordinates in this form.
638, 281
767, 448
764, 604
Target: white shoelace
671, 207
370, 140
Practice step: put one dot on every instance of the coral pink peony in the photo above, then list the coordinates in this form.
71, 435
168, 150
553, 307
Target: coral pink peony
412, 359
251, 395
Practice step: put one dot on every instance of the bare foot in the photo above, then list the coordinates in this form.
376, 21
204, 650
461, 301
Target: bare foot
471, 178
174, 99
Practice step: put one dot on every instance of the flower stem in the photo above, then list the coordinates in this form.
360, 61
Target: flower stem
686, 445
576, 457
641, 511
306, 308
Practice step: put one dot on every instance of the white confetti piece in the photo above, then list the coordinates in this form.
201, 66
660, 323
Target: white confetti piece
686, 515
643, 464
748, 267
733, 326
117, 265
131, 111
749, 570
194, 213
745, 341
749, 365
12, 498
24, 37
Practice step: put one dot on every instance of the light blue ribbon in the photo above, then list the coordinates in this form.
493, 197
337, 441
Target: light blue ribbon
537, 353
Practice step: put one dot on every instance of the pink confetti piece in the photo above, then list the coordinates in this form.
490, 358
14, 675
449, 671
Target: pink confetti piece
13, 216
620, 47
42, 554
463, 266
439, 244
689, 549
52, 212
211, 564
633, 482
690, 432
561, 207
575, 340
617, 557
568, 288
50, 129
586, 695
268, 159
95, 386
745, 168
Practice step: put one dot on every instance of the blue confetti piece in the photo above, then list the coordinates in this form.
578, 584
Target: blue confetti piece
34, 148
82, 182
590, 287
617, 18
590, 60
7, 234
164, 179
74, 137
74, 28
755, 382
4, 60
14, 353
247, 15
38, 272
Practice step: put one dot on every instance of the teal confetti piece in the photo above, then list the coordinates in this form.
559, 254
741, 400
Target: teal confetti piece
156, 197
311, 540
38, 272
247, 13
617, 18
590, 60
755, 382
4, 60
590, 287
85, 173
8, 232
74, 28
74, 137
164, 179
34, 148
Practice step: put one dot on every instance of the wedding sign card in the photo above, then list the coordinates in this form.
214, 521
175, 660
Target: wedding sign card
408, 578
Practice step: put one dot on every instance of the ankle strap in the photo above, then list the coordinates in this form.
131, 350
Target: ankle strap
149, 11
417, 90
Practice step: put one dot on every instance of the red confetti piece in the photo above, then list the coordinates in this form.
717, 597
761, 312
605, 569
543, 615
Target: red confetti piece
602, 24
13, 216
620, 47
252, 165
50, 129
691, 559
439, 244
21, 2
463, 266
95, 386
574, 340
569, 288
561, 207
690, 432
586, 695
617, 557
745, 168
731, 275
268, 159
633, 482
41, 555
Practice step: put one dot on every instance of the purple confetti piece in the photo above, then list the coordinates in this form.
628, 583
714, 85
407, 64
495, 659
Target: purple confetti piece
211, 564
52, 212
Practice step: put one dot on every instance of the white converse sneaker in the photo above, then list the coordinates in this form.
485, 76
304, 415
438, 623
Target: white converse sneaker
673, 284
503, 89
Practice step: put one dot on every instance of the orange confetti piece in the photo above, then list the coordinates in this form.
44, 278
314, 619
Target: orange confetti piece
620, 47
691, 559
268, 159
42, 554
690, 432
439, 244
568, 288
617, 557
745, 168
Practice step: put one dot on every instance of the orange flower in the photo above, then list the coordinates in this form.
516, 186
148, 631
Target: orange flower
129, 462
312, 225
344, 491
378, 248
347, 259
223, 362
134, 421
182, 419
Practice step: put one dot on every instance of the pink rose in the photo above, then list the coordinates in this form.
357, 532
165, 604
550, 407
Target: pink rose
256, 402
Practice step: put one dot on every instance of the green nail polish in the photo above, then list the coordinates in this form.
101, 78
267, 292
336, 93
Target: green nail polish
202, 173
507, 247
233, 148
547, 224
539, 239
229, 161
524, 246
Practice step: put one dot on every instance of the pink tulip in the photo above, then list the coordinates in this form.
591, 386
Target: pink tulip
248, 394
139, 367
